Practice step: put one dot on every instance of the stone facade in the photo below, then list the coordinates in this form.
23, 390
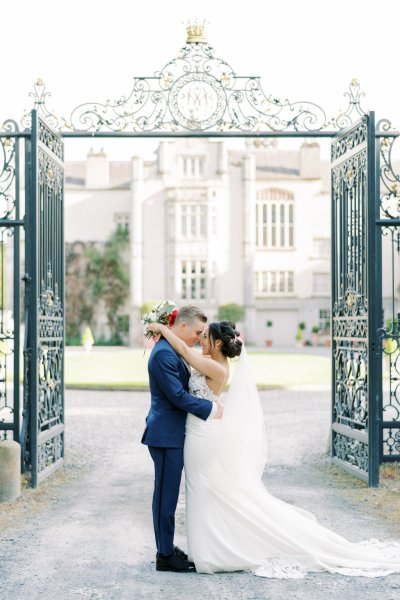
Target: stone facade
210, 224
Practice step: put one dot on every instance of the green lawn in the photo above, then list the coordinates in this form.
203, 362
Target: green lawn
128, 368
284, 370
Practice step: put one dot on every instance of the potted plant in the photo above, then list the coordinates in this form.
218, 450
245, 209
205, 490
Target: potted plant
315, 335
327, 334
268, 341
299, 334
298, 338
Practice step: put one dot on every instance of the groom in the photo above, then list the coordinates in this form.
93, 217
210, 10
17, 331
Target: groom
165, 432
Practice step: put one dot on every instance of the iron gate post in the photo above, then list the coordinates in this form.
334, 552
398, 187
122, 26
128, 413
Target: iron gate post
30, 430
374, 269
17, 300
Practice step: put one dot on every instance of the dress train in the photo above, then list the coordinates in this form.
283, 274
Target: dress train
233, 523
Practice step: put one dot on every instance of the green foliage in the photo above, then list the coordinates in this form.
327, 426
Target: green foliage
391, 344
79, 307
115, 340
299, 335
147, 306
393, 325
96, 272
302, 325
110, 276
72, 340
269, 324
315, 329
230, 312
123, 324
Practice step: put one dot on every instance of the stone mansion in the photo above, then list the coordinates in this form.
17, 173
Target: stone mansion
210, 225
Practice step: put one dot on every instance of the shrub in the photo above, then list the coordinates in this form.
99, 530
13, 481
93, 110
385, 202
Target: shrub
230, 312
147, 306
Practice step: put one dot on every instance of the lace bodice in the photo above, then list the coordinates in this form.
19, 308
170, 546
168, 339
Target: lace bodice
198, 386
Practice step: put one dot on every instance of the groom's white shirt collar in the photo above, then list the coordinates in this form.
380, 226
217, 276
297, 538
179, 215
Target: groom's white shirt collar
189, 368
186, 364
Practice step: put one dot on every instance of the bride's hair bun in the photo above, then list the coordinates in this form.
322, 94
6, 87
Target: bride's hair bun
226, 332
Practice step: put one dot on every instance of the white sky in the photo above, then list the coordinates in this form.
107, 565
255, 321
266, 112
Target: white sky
88, 50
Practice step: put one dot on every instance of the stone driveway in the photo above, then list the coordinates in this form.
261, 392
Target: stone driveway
86, 533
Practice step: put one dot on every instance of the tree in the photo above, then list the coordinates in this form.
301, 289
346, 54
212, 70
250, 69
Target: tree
108, 269
96, 272
230, 312
78, 305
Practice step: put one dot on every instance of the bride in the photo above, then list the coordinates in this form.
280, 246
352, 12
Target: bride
233, 523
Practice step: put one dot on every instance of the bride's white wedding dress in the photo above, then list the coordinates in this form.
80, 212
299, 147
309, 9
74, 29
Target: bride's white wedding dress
234, 524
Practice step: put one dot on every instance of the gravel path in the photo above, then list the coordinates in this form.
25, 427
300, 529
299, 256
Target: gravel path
86, 533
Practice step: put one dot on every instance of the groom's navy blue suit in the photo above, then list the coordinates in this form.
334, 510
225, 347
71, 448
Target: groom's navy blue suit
165, 435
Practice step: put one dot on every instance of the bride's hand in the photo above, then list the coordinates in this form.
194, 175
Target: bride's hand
154, 327
156, 334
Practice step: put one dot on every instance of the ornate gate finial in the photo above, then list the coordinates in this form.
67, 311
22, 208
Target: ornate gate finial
195, 33
197, 91
39, 96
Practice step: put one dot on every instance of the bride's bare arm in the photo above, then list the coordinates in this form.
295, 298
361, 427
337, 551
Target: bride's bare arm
211, 368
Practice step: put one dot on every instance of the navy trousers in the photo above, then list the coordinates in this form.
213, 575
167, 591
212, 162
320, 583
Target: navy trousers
168, 465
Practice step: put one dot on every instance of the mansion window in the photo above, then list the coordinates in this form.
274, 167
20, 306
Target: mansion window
324, 320
274, 218
273, 282
194, 220
321, 284
191, 167
322, 247
193, 279
122, 221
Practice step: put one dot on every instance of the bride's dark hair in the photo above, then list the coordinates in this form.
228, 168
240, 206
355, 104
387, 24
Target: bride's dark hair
229, 336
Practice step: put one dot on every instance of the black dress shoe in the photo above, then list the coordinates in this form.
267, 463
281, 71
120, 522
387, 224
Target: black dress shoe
175, 563
183, 554
177, 551
180, 552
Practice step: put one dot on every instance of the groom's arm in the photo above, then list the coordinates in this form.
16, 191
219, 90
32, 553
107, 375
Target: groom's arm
164, 369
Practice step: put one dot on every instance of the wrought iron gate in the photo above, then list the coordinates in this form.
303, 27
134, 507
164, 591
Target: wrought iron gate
356, 302
197, 94
10, 225
43, 425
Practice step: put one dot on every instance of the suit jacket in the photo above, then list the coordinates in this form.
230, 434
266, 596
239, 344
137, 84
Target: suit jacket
170, 399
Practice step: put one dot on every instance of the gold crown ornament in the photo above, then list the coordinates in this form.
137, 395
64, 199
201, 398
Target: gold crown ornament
195, 33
